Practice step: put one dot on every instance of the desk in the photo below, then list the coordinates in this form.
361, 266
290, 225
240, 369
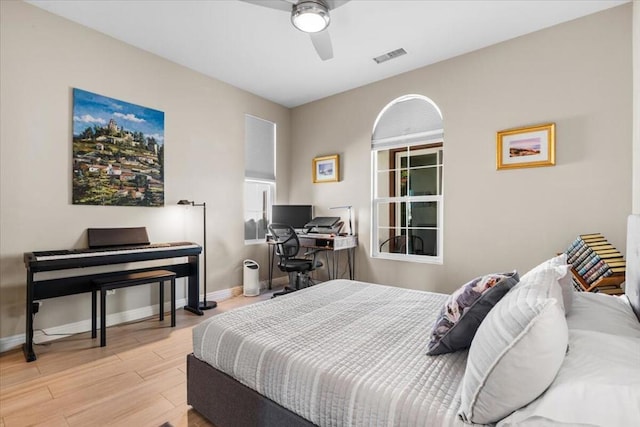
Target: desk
326, 243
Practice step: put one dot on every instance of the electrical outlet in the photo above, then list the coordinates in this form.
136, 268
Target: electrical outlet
111, 292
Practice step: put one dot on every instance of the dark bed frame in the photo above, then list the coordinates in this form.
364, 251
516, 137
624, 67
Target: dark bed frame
228, 403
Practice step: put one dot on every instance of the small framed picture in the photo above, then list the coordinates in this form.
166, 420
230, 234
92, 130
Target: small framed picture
526, 147
326, 169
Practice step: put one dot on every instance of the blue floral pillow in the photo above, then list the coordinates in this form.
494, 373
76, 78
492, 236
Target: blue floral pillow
465, 309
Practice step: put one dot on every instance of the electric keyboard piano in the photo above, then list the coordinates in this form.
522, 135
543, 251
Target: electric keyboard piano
106, 247
79, 258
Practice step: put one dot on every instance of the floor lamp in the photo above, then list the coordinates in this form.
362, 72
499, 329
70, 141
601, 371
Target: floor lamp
203, 305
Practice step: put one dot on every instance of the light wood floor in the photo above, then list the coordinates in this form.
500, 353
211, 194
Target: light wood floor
138, 379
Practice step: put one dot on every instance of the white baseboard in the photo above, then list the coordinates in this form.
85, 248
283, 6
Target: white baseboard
57, 332
12, 342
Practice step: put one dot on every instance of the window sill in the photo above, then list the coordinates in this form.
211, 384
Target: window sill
255, 242
421, 259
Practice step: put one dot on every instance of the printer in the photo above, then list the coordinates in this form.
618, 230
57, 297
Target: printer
324, 225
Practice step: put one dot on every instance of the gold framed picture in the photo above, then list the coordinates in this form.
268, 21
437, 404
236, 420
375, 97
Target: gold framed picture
526, 147
326, 169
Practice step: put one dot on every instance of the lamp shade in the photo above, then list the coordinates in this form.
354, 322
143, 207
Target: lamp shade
184, 202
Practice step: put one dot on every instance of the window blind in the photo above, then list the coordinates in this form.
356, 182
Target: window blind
259, 149
410, 120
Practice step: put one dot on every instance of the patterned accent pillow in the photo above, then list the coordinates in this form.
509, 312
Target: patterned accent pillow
465, 309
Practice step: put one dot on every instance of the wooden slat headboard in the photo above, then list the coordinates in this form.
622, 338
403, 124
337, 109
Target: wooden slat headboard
632, 279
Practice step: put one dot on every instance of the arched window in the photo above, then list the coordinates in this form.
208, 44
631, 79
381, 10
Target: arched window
407, 167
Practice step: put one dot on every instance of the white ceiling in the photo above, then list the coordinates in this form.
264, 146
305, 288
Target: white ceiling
257, 49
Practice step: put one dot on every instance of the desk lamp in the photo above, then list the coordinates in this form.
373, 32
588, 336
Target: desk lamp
346, 207
203, 305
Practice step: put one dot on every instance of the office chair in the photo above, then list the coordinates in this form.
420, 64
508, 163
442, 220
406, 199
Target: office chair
398, 245
287, 246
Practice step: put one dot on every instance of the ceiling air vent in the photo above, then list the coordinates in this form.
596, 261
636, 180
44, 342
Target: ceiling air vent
389, 55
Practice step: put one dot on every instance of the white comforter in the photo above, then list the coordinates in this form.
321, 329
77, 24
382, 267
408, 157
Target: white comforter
341, 353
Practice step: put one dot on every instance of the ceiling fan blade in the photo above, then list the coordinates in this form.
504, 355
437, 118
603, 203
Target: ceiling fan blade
322, 42
332, 4
273, 4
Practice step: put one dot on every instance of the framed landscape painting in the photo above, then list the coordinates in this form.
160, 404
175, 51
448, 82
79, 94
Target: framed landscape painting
526, 147
326, 169
118, 152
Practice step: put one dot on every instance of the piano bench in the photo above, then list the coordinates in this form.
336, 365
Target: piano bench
105, 284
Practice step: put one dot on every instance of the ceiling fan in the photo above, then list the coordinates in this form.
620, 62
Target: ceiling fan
309, 16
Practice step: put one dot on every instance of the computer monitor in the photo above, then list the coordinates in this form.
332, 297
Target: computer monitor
296, 216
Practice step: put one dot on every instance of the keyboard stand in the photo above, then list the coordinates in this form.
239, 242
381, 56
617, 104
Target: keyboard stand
38, 289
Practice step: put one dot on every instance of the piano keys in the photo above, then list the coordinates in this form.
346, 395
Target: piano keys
79, 258
106, 247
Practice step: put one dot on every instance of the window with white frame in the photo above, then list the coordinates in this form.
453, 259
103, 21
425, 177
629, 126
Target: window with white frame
259, 177
407, 167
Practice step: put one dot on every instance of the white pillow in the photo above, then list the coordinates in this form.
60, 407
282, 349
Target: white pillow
597, 384
565, 292
515, 354
604, 313
566, 285
556, 261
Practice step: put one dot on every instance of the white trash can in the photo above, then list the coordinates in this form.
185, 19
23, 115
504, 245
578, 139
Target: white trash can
251, 284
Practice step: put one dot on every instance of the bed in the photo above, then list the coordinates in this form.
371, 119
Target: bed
348, 353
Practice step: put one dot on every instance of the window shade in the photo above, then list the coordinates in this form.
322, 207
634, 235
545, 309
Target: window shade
259, 148
412, 119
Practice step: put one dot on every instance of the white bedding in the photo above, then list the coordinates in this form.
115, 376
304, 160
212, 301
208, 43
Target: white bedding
597, 385
341, 353
347, 353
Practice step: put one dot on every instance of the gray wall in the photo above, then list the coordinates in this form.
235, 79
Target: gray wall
43, 58
578, 75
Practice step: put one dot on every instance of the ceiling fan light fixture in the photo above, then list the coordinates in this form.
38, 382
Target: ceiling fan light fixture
310, 16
